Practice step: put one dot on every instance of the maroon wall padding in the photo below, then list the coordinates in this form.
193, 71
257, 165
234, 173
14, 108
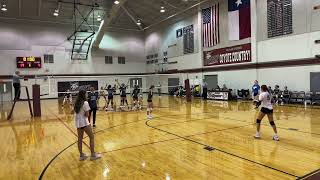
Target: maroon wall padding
314, 176
188, 91
36, 100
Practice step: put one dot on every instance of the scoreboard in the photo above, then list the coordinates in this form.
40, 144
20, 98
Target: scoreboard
29, 62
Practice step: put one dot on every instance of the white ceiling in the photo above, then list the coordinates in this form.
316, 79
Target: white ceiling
146, 10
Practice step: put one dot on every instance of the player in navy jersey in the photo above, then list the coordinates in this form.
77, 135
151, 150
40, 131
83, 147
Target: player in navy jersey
135, 97
123, 93
150, 103
92, 100
110, 92
276, 94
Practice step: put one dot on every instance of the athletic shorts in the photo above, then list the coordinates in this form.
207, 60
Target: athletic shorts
110, 97
149, 100
266, 110
82, 127
135, 98
123, 96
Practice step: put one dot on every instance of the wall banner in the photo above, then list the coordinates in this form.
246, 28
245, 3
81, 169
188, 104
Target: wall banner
229, 55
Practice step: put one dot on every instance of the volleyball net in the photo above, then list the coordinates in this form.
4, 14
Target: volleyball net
58, 86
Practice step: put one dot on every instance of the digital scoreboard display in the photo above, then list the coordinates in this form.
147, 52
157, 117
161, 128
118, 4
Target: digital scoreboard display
29, 62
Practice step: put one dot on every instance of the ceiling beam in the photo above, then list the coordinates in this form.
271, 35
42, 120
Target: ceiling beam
176, 14
20, 8
131, 17
169, 4
39, 7
107, 21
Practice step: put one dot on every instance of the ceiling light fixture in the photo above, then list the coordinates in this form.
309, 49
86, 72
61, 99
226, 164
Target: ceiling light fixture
162, 10
138, 22
56, 12
99, 18
4, 7
116, 2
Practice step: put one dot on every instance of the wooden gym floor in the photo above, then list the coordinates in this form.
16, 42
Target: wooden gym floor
171, 146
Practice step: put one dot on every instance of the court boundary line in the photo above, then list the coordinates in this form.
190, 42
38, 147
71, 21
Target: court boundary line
50, 162
264, 124
102, 130
223, 151
309, 174
66, 126
218, 130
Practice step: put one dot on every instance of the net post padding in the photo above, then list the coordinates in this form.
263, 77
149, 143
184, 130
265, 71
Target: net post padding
188, 91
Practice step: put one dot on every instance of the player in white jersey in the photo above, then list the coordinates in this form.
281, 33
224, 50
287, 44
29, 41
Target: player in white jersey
266, 109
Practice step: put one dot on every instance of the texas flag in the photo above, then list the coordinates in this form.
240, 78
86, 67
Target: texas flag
239, 19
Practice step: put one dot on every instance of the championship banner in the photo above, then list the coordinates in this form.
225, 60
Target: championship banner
230, 55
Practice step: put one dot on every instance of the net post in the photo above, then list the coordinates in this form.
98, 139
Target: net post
188, 92
36, 100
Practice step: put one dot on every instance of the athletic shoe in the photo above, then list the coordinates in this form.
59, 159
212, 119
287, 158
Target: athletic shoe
83, 157
275, 138
95, 156
149, 117
257, 135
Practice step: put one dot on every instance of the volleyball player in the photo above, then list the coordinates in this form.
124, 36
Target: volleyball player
102, 93
135, 97
140, 100
67, 98
81, 109
150, 103
92, 99
276, 94
110, 91
266, 109
255, 92
123, 94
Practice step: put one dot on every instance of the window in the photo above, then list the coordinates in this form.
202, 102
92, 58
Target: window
48, 58
156, 61
108, 60
121, 60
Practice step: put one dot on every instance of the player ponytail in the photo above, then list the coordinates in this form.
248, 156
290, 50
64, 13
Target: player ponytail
79, 101
264, 88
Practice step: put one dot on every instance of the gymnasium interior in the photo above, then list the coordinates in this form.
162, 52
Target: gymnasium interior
195, 65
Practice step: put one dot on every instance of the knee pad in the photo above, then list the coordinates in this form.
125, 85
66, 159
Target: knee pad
258, 121
272, 123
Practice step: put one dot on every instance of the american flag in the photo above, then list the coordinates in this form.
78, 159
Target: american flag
210, 26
